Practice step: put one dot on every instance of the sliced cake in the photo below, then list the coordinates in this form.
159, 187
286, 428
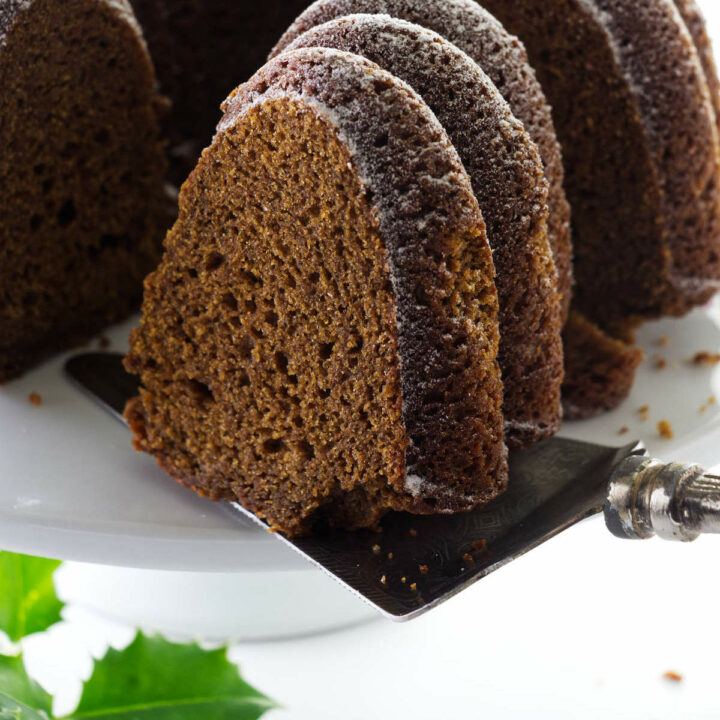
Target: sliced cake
634, 116
509, 182
81, 171
472, 29
320, 339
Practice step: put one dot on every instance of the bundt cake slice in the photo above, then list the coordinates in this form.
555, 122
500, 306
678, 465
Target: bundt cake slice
477, 33
633, 113
81, 170
509, 182
320, 339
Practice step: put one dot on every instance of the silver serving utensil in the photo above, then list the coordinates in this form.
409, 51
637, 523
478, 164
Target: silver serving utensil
415, 563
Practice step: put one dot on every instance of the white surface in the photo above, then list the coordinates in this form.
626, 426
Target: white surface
583, 627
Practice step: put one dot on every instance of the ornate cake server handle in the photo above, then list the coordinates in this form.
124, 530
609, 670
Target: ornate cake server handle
673, 501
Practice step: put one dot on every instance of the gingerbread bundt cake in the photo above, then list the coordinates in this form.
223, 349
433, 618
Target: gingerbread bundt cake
472, 29
508, 179
81, 171
634, 116
320, 339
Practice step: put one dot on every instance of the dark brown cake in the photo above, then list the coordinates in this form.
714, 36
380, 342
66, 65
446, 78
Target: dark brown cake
320, 338
632, 110
81, 172
202, 50
508, 179
600, 370
693, 17
503, 58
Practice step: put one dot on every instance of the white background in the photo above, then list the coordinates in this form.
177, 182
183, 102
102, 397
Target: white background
584, 627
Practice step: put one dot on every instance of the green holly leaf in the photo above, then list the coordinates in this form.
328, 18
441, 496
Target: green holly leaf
159, 680
21, 698
28, 603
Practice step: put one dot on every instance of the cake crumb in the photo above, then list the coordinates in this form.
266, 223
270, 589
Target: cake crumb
104, 342
413, 587
376, 549
673, 676
413, 532
644, 412
35, 399
706, 358
665, 430
423, 569
660, 363
391, 556
624, 430
469, 559
712, 400
703, 409
383, 580
403, 580
480, 546
663, 341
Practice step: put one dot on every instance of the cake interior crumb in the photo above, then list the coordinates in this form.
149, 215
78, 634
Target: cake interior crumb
35, 399
665, 430
706, 358
673, 676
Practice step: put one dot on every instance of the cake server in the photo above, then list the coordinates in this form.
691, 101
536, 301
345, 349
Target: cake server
411, 564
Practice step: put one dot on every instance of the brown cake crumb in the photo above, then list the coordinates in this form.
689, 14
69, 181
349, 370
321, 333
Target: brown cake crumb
703, 409
712, 400
644, 412
423, 569
624, 430
403, 580
468, 558
383, 580
665, 430
390, 556
706, 358
413, 587
660, 363
413, 532
673, 676
663, 341
376, 549
480, 546
35, 399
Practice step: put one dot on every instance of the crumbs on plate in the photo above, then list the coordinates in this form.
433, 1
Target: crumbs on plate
35, 399
673, 676
706, 358
665, 429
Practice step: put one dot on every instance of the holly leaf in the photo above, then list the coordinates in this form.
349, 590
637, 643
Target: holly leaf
28, 603
157, 679
21, 698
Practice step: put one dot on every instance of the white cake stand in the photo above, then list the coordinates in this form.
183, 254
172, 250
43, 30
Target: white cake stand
72, 488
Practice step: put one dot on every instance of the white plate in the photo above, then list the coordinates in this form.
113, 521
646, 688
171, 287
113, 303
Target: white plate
72, 487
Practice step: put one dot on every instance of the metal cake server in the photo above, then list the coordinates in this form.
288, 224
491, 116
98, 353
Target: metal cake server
415, 563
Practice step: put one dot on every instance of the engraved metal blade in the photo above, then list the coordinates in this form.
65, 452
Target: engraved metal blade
415, 563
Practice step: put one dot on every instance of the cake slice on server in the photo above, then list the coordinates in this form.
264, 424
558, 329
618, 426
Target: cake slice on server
320, 340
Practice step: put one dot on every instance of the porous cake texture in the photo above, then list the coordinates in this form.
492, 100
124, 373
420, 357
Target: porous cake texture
81, 170
320, 339
509, 182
